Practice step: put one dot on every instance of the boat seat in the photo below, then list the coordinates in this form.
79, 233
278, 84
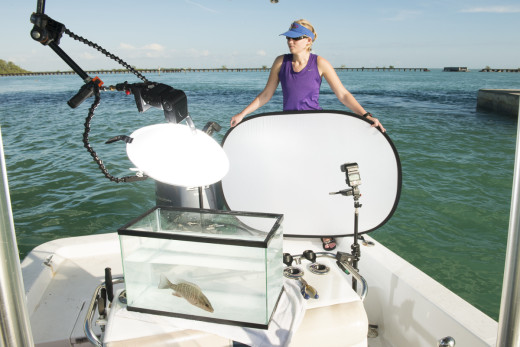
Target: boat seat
338, 317
178, 338
346, 331
334, 325
343, 329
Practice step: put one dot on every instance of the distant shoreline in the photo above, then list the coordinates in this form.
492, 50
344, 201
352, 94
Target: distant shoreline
260, 69
182, 70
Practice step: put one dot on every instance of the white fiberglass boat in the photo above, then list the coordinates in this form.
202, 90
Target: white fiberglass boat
391, 303
280, 164
408, 307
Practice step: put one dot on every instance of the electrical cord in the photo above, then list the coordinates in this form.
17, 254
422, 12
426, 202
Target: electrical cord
95, 104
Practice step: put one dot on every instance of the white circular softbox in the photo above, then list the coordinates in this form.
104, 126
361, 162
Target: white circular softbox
178, 155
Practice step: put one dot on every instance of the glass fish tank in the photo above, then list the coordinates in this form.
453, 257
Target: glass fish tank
208, 265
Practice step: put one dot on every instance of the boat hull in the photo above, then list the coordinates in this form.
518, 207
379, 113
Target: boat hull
409, 307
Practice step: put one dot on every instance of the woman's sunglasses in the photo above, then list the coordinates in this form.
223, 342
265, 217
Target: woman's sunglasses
296, 38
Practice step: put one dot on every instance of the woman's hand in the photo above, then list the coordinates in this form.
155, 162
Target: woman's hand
264, 96
377, 123
236, 119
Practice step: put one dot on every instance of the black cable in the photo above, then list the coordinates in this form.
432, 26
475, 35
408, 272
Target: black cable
106, 53
86, 143
97, 99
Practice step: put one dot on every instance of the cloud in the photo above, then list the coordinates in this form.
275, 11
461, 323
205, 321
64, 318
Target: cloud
154, 47
404, 15
153, 54
89, 56
151, 50
149, 47
493, 9
123, 45
201, 6
196, 53
261, 53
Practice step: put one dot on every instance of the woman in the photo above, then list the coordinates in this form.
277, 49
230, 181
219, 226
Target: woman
301, 80
300, 74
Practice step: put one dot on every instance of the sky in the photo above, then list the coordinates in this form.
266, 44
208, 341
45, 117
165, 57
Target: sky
245, 33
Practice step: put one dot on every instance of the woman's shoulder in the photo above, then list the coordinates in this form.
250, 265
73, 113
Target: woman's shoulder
322, 62
277, 64
284, 57
278, 61
320, 59
323, 65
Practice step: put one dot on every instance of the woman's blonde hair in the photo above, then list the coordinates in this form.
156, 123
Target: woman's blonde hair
309, 26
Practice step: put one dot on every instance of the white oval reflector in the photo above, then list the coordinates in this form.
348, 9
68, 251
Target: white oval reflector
177, 155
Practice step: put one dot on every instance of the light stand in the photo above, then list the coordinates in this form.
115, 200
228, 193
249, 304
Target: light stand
353, 180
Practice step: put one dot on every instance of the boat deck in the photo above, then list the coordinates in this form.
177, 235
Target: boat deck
409, 307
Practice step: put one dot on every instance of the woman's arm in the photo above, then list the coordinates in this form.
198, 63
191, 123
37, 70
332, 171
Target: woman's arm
343, 95
264, 96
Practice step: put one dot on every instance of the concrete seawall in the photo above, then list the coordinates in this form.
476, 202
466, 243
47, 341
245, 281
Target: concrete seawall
504, 101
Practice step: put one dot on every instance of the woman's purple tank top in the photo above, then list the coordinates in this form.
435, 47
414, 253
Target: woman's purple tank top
301, 90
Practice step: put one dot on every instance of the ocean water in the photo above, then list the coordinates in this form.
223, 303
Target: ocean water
457, 162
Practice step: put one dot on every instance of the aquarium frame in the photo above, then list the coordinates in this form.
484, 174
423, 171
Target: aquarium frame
125, 230
210, 319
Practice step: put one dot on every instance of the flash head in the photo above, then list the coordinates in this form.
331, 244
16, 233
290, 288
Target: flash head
351, 170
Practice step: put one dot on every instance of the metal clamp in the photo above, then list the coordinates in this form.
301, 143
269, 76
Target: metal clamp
345, 267
319, 269
293, 272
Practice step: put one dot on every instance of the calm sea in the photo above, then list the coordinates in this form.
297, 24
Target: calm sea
457, 162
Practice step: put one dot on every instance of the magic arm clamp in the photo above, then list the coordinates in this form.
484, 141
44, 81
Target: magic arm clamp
49, 32
148, 94
46, 30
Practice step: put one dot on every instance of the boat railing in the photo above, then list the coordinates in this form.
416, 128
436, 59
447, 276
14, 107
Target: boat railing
94, 305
